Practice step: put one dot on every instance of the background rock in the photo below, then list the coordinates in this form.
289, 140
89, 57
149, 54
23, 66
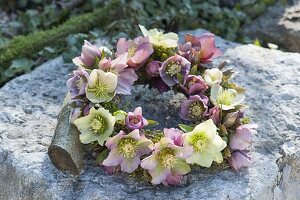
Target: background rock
28, 114
279, 25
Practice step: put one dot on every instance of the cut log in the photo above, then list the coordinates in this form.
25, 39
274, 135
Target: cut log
66, 151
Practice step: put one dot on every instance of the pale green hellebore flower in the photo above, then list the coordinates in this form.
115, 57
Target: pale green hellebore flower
226, 99
213, 76
207, 144
101, 86
158, 38
98, 125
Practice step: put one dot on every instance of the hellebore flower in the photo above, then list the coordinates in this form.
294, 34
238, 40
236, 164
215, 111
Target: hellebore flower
242, 137
225, 99
118, 66
167, 159
194, 108
239, 159
126, 150
200, 49
195, 85
101, 86
135, 119
233, 118
138, 50
88, 55
152, 68
98, 125
207, 144
213, 76
78, 83
159, 84
158, 38
175, 135
173, 179
214, 114
174, 70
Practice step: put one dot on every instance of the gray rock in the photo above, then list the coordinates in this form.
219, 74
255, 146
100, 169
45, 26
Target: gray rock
28, 114
279, 25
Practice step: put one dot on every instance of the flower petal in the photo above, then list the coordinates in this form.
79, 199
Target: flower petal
113, 159
129, 165
181, 167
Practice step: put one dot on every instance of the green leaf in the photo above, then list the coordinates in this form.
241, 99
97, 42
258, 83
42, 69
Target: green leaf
20, 65
238, 88
152, 122
194, 70
227, 75
186, 128
257, 42
102, 156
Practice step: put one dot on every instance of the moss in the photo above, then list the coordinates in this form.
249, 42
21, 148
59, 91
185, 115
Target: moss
28, 46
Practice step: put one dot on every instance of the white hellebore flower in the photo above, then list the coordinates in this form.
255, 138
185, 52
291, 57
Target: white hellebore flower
207, 144
213, 76
158, 38
101, 86
225, 99
98, 125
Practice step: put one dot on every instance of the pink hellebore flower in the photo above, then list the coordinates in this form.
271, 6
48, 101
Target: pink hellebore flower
195, 85
239, 159
126, 150
200, 49
159, 84
139, 50
174, 70
194, 108
242, 137
88, 55
214, 114
126, 75
167, 161
175, 135
135, 119
173, 179
152, 68
111, 170
78, 83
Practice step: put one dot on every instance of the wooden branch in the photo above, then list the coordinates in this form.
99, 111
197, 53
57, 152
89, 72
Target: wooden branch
66, 152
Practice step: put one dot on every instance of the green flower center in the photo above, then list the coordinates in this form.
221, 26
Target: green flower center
225, 98
167, 158
127, 147
98, 124
196, 110
131, 51
100, 90
199, 142
173, 68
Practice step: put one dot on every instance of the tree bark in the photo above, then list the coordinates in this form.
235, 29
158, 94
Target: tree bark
66, 151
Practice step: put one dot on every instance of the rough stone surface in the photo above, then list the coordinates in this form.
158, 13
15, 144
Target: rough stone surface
28, 114
279, 25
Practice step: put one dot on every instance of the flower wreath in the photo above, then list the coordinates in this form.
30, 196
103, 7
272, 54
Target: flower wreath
217, 129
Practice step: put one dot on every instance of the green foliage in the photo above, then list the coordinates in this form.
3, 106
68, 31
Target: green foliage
29, 46
18, 66
186, 128
115, 19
